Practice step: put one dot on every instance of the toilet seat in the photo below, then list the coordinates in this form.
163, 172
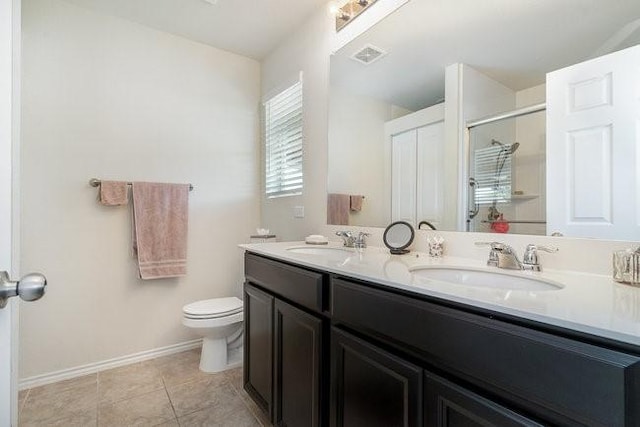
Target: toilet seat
213, 308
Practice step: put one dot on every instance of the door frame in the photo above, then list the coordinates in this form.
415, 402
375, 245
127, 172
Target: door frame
10, 46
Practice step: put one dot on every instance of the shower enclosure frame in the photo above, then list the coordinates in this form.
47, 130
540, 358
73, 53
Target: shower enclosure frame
467, 204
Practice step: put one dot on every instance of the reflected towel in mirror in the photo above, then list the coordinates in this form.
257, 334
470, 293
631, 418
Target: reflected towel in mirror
338, 206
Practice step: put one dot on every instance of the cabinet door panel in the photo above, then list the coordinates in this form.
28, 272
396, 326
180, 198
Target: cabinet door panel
449, 405
429, 173
370, 387
298, 350
258, 350
403, 177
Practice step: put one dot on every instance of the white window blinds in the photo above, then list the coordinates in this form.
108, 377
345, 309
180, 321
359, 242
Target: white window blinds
492, 168
283, 143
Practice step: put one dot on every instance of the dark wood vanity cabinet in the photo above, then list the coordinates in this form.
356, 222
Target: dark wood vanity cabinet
284, 342
258, 345
370, 387
298, 345
399, 359
447, 404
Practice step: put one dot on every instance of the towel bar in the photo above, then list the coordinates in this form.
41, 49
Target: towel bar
94, 182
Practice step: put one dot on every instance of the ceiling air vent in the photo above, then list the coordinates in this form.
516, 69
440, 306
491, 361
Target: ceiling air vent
368, 54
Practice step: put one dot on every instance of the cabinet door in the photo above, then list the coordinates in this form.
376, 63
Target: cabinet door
370, 387
449, 405
429, 173
258, 350
298, 354
403, 177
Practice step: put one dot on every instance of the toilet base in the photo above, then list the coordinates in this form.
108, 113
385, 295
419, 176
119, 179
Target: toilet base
216, 357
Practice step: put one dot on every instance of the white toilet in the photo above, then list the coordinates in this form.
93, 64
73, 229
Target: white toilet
219, 322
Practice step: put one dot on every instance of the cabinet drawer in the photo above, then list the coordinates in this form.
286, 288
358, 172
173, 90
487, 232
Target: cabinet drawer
562, 380
293, 283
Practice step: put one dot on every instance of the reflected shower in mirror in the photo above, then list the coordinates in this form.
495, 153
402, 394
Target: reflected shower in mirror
507, 180
503, 69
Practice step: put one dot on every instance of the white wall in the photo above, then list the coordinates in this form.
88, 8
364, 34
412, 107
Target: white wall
470, 95
358, 154
107, 98
306, 50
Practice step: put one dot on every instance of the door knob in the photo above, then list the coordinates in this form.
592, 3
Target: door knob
30, 288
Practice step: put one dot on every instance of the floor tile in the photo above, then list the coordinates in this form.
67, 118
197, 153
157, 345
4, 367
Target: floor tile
73, 405
214, 390
60, 386
180, 367
149, 409
235, 378
236, 415
128, 381
22, 397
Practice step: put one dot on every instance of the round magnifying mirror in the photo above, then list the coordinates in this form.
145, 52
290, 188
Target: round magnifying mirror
398, 236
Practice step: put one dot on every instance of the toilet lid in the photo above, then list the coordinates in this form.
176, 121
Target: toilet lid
216, 307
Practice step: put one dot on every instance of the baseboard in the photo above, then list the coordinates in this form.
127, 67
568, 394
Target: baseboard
92, 368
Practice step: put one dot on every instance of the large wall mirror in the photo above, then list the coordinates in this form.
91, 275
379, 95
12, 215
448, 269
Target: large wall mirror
388, 157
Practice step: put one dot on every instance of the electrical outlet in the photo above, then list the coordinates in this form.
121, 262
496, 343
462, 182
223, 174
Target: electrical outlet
298, 211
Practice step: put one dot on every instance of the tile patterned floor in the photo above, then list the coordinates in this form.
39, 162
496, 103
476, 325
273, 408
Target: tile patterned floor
167, 391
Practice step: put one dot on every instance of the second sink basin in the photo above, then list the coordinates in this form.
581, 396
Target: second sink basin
484, 278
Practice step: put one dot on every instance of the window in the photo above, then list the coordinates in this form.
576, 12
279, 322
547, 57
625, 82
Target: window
283, 143
493, 175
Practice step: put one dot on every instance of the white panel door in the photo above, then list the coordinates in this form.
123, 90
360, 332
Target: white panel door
593, 156
430, 170
403, 177
8, 400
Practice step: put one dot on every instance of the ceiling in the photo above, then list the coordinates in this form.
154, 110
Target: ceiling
514, 42
251, 28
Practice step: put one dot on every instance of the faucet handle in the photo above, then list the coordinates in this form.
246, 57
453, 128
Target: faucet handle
530, 259
493, 254
361, 241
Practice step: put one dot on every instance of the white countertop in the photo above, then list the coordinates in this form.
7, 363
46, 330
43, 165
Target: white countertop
590, 303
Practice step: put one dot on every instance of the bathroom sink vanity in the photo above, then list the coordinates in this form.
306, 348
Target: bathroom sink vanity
360, 342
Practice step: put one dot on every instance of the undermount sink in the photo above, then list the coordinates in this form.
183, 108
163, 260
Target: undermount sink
321, 250
484, 278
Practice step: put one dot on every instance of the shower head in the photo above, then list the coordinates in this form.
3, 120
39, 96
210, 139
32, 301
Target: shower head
512, 148
507, 149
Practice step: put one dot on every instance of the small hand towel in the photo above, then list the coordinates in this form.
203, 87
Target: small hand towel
114, 193
160, 215
356, 203
338, 209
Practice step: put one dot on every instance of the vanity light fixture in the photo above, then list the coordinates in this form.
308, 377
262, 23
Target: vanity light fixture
349, 11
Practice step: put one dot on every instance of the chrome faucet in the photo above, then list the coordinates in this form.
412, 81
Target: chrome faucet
348, 238
352, 240
504, 256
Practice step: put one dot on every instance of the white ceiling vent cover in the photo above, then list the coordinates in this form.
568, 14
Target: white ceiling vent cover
368, 54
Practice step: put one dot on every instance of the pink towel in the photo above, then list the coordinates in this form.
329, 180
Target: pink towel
114, 193
356, 203
338, 209
160, 216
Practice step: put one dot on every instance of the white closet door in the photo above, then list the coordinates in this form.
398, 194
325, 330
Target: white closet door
430, 158
403, 177
593, 157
